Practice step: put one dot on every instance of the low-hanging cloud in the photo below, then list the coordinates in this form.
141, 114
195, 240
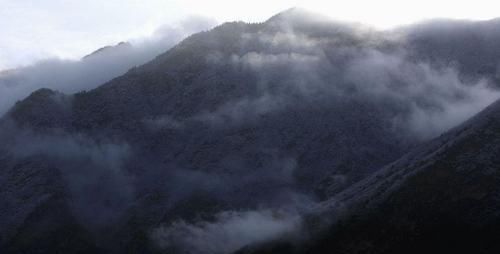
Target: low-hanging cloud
432, 99
418, 98
228, 232
421, 98
70, 76
233, 184
252, 184
93, 171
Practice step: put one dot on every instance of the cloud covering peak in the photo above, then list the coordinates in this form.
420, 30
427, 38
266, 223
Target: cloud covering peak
71, 76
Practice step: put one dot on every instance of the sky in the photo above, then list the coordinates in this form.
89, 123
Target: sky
33, 30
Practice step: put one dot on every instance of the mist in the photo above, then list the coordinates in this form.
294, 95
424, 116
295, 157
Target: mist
70, 76
228, 232
92, 170
420, 98
230, 145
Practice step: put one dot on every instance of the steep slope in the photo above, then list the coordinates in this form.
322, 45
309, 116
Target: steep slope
245, 117
219, 123
442, 197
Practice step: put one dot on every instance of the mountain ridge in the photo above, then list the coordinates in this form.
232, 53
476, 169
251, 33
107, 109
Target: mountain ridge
236, 121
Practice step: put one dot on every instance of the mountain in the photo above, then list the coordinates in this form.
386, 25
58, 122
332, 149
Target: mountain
70, 76
245, 124
468, 45
441, 197
109, 49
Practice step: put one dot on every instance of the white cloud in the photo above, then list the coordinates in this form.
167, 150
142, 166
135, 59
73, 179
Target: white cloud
229, 232
33, 30
75, 75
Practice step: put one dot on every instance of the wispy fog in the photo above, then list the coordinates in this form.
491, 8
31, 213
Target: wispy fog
95, 69
228, 232
93, 171
228, 147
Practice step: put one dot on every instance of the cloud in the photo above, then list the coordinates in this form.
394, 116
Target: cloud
293, 70
72, 76
236, 180
431, 99
228, 232
241, 111
421, 99
93, 171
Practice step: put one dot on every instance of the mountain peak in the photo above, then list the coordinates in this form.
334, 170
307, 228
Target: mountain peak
108, 49
296, 14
